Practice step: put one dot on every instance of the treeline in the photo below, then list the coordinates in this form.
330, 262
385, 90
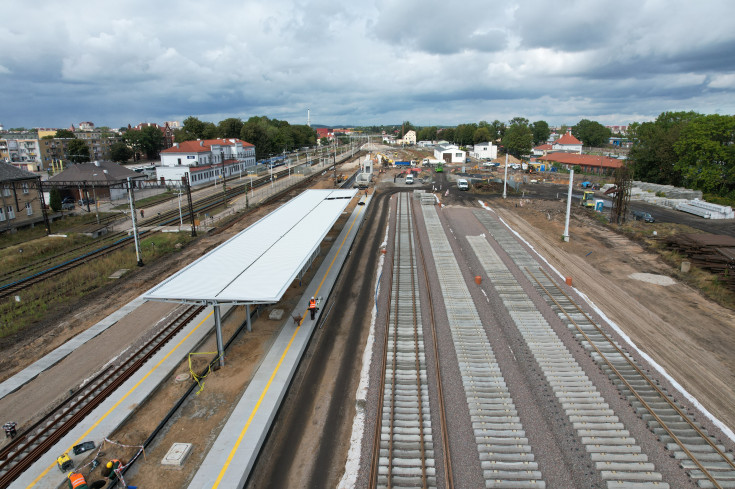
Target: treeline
270, 136
686, 149
517, 137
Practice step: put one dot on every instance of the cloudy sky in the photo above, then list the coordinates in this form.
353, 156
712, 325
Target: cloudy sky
433, 62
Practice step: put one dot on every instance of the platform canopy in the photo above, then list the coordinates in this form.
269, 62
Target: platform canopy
257, 265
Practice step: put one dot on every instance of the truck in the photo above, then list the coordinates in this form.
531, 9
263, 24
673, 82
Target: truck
362, 180
439, 168
463, 184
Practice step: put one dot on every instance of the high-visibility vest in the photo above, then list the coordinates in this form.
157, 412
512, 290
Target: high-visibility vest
312, 304
77, 480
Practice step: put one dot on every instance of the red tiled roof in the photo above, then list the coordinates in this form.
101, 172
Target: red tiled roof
582, 160
202, 146
543, 147
568, 139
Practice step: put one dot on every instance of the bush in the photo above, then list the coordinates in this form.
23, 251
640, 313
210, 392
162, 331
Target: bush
54, 200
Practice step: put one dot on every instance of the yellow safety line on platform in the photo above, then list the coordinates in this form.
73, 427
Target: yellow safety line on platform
109, 411
278, 365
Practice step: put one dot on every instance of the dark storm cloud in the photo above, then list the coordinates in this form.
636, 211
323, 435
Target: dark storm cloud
430, 61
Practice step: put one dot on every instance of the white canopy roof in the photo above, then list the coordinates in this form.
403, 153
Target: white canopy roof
258, 264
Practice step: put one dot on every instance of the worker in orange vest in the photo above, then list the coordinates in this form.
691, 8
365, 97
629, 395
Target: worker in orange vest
75, 480
312, 308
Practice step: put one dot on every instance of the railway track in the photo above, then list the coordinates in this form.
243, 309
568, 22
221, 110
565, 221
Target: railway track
31, 275
38, 438
699, 453
403, 454
506, 456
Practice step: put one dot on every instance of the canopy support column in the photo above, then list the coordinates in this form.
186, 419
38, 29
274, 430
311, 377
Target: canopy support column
247, 313
218, 329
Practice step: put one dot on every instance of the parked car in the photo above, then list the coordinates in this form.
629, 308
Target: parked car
67, 206
463, 184
643, 216
85, 202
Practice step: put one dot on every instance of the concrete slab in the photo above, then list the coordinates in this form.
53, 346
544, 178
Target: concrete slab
177, 454
31, 372
231, 458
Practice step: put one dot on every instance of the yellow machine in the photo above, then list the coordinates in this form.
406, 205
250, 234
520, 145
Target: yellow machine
588, 199
64, 463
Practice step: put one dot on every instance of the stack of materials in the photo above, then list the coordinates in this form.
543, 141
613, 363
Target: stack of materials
706, 210
712, 252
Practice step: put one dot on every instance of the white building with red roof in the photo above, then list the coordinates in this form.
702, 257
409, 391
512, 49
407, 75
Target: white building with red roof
568, 144
542, 149
205, 160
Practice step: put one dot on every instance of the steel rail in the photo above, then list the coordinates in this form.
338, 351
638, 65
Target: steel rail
39, 443
447, 458
627, 384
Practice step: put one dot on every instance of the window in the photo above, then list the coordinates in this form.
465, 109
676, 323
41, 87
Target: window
6, 190
29, 209
179, 161
25, 187
11, 212
2, 214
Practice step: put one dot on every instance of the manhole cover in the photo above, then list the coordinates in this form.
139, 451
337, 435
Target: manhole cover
182, 377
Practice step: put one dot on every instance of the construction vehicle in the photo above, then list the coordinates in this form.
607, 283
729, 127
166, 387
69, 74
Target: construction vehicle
588, 199
439, 168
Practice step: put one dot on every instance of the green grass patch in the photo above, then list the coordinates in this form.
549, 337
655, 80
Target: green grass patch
55, 296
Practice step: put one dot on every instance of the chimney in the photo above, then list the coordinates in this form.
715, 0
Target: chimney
201, 143
176, 145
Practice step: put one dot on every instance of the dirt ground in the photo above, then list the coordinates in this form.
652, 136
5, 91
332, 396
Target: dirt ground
691, 337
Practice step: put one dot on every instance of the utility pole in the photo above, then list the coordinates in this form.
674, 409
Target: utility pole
191, 206
43, 207
565, 236
135, 225
224, 180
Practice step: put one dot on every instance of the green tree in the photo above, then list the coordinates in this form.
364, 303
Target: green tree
120, 152
653, 155
447, 134
540, 131
426, 134
405, 127
518, 138
77, 151
65, 134
191, 130
151, 141
54, 199
324, 141
706, 154
230, 128
482, 135
465, 134
497, 130
591, 133
210, 131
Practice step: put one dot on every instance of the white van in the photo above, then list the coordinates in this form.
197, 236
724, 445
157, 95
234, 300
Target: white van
463, 184
409, 179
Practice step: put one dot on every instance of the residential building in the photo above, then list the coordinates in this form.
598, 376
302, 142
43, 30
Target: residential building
99, 143
324, 132
20, 198
54, 153
166, 130
541, 149
484, 151
204, 161
99, 180
22, 151
601, 165
408, 138
449, 153
86, 126
568, 144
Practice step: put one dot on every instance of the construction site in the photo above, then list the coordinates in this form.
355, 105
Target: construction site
490, 337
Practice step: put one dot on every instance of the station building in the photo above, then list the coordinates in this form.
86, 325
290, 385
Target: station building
204, 161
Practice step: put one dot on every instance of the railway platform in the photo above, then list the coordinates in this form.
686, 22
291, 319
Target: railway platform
231, 458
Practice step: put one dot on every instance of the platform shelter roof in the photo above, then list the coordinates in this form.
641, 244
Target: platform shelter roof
257, 265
